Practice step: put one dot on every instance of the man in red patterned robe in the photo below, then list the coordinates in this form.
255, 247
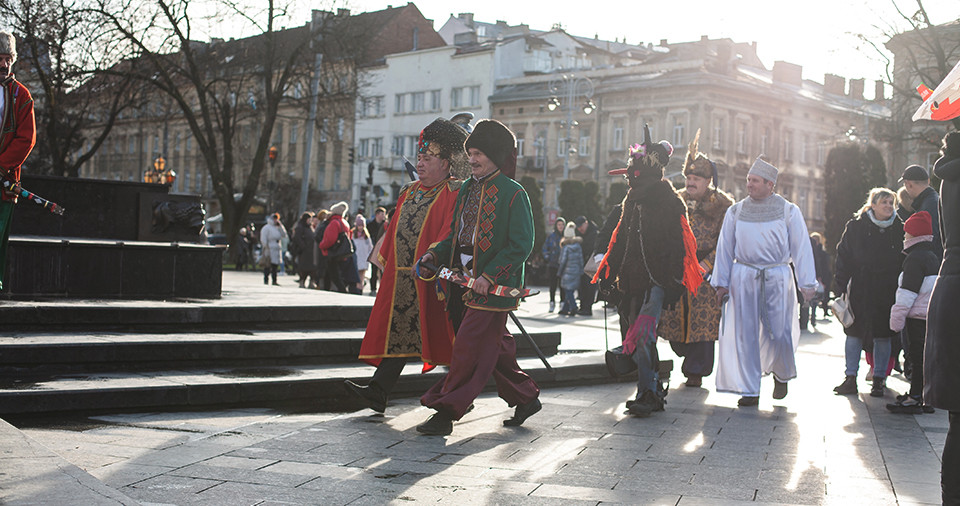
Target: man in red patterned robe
408, 318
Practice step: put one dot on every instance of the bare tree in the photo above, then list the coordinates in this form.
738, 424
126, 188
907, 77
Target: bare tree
923, 52
62, 50
231, 93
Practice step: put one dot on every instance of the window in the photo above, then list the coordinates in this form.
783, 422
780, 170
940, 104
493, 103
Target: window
294, 130
617, 135
456, 98
376, 147
540, 151
764, 140
321, 176
474, 96
132, 147
340, 126
398, 104
562, 147
804, 145
189, 143
803, 201
364, 148
718, 133
324, 128
741, 138
397, 147
412, 144
677, 132
417, 101
584, 144
821, 153
435, 100
787, 145
519, 147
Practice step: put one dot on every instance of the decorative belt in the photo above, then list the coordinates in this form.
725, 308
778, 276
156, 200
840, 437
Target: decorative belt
762, 274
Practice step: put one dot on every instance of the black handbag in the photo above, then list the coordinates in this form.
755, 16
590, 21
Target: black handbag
341, 249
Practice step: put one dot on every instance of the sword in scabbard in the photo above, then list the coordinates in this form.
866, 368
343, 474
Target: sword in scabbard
459, 278
14, 187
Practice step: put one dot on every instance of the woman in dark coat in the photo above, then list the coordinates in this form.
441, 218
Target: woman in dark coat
551, 253
941, 357
301, 246
869, 258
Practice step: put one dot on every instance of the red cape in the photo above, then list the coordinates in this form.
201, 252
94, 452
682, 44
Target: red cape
435, 326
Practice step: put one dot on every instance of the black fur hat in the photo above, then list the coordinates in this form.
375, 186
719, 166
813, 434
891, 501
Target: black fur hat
495, 140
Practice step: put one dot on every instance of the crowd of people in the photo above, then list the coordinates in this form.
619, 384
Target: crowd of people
323, 250
723, 281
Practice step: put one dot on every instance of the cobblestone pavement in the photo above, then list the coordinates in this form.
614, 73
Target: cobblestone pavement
811, 448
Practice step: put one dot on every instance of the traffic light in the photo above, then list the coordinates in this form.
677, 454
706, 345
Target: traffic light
350, 155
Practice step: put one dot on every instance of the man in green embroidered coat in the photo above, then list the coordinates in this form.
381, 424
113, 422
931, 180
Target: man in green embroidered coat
491, 238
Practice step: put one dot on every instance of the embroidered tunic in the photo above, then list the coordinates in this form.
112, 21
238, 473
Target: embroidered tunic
696, 318
406, 307
760, 330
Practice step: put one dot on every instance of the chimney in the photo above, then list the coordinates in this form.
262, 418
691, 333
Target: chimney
787, 73
318, 17
467, 18
704, 38
343, 12
663, 42
856, 89
833, 84
878, 91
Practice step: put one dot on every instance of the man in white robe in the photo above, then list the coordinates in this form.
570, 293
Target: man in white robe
759, 331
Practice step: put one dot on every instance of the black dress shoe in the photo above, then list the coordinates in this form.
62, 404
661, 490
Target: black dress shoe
438, 424
523, 412
694, 381
748, 400
370, 396
779, 389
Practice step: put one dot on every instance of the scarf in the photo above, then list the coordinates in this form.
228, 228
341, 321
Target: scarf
882, 224
916, 240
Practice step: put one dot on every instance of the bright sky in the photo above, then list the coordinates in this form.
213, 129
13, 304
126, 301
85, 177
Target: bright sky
817, 34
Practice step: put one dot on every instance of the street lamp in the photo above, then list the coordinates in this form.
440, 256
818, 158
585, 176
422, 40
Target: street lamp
272, 154
566, 90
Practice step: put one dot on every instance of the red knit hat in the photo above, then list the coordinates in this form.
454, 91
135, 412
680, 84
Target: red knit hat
919, 224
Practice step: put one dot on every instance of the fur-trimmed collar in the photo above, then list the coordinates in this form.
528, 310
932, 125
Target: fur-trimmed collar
714, 204
570, 240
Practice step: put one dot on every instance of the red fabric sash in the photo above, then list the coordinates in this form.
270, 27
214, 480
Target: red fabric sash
692, 271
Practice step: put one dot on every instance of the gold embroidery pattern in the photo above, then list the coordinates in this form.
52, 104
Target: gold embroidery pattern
403, 338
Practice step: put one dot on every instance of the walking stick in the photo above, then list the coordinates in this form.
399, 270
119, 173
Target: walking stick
459, 278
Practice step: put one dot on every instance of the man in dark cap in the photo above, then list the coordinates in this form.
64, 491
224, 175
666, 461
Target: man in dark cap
491, 236
651, 259
408, 319
916, 182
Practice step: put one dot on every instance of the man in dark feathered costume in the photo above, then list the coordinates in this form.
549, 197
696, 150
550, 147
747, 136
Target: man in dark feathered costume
651, 259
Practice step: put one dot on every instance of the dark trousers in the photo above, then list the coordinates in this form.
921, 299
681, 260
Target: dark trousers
914, 336
374, 277
554, 283
698, 358
6, 219
483, 348
270, 272
387, 373
950, 464
588, 293
332, 278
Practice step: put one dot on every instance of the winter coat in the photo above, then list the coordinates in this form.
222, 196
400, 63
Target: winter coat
18, 131
301, 246
941, 355
872, 257
570, 265
270, 240
551, 249
362, 246
336, 225
929, 201
916, 283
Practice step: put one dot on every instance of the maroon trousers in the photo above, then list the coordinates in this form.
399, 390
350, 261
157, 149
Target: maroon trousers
482, 347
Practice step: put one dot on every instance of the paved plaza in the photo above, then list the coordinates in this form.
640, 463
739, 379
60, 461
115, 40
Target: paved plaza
811, 448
